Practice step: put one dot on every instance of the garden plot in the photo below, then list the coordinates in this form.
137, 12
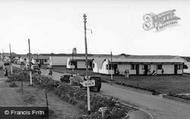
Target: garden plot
33, 96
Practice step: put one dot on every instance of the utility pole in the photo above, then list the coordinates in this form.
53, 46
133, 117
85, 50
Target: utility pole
37, 58
86, 56
85, 39
111, 67
10, 59
29, 57
2, 55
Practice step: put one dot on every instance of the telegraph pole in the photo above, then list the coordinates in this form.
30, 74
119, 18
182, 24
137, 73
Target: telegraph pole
85, 39
29, 57
111, 67
10, 59
86, 56
2, 55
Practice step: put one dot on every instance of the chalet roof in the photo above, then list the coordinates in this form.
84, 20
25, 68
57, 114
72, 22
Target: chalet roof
147, 58
40, 57
80, 59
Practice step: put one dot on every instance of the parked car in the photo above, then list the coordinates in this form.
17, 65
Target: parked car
66, 78
6, 63
98, 84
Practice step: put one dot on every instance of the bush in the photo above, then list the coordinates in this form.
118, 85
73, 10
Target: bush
13, 84
18, 76
174, 94
77, 96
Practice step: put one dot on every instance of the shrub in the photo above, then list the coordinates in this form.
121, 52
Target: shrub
115, 113
18, 76
77, 96
13, 84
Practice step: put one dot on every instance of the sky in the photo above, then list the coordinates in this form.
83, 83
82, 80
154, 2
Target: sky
56, 26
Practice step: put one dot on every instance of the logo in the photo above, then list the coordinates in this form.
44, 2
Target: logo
160, 21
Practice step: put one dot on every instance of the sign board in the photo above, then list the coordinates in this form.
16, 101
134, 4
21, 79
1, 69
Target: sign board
88, 83
24, 113
102, 109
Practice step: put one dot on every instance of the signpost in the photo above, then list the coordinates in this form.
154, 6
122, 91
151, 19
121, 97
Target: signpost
30, 72
10, 59
111, 68
88, 83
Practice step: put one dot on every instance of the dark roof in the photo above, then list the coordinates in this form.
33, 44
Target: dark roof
40, 57
152, 56
81, 59
148, 58
63, 54
165, 62
79, 54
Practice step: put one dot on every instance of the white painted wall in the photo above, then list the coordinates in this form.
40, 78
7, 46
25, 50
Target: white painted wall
69, 66
168, 68
179, 71
58, 60
159, 71
95, 68
188, 69
141, 69
81, 65
153, 67
132, 71
103, 69
123, 67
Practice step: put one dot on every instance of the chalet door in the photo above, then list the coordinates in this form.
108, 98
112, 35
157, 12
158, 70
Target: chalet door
137, 69
145, 69
41, 62
115, 68
175, 68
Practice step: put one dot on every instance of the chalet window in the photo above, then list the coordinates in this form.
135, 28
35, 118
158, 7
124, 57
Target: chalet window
159, 67
133, 66
45, 60
107, 66
72, 62
179, 67
93, 65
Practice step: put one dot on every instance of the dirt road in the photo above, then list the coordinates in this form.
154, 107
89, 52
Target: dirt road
159, 107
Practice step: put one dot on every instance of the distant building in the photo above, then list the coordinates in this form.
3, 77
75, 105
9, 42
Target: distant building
61, 60
40, 59
78, 63
134, 64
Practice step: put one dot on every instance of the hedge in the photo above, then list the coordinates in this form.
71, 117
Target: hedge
76, 96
